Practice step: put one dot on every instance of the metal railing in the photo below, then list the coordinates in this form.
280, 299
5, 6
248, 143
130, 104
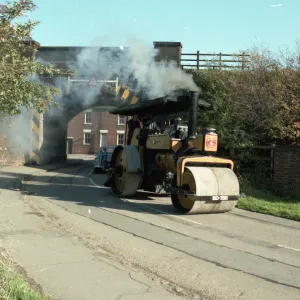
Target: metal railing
109, 86
218, 61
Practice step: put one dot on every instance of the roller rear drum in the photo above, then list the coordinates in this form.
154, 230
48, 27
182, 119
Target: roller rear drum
125, 182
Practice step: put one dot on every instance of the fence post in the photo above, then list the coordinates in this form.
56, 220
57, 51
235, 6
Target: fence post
198, 59
232, 152
220, 61
243, 60
272, 162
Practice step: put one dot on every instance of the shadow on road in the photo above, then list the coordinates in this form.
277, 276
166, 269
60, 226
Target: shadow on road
71, 185
11, 180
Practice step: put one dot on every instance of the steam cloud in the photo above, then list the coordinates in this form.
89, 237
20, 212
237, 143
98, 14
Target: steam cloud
157, 79
16, 130
135, 67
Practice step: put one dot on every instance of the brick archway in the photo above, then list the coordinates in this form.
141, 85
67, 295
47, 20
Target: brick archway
49, 131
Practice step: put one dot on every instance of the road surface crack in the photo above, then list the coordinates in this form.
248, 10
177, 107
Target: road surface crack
133, 294
48, 266
130, 274
97, 259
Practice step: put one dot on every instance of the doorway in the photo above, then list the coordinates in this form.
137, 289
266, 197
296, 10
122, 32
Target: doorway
69, 145
103, 138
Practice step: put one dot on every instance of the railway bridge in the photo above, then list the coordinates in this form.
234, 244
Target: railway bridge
101, 80
105, 77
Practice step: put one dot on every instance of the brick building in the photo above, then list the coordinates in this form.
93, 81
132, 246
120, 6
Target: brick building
93, 128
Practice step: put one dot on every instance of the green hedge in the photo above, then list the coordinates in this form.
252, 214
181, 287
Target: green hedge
252, 107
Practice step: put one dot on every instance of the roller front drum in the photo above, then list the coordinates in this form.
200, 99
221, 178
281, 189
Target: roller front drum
207, 182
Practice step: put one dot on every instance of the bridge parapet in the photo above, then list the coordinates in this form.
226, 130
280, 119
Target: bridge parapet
92, 86
123, 94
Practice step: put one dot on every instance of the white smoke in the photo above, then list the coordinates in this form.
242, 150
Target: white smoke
157, 79
17, 130
135, 67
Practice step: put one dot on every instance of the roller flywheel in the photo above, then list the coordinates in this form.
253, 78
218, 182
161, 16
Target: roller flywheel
124, 183
206, 182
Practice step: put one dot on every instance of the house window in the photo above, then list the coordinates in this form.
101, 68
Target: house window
88, 117
121, 120
87, 137
120, 137
103, 138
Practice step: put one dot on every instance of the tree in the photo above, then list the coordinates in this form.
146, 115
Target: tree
19, 71
255, 106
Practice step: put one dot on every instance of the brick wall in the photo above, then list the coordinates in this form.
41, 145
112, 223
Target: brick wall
100, 121
286, 178
110, 123
7, 158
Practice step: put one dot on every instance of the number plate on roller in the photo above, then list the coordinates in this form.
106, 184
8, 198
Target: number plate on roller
218, 198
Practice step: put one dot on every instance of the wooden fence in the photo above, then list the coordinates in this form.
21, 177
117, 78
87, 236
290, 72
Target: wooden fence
270, 167
263, 155
214, 61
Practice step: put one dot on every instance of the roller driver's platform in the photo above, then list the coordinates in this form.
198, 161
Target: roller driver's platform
176, 161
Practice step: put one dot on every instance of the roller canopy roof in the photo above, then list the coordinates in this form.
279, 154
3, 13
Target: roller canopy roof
158, 106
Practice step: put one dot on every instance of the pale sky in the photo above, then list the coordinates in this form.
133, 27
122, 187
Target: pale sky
208, 26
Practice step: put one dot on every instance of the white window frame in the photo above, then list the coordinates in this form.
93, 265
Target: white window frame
86, 131
101, 132
120, 132
119, 120
87, 111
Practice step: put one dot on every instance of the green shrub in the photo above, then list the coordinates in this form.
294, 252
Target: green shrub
255, 106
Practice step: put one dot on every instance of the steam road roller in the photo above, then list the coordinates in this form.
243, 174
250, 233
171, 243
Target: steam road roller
175, 160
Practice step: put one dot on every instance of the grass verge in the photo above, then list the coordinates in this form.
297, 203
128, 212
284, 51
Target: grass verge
13, 285
267, 203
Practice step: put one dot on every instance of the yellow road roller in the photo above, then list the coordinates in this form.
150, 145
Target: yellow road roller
174, 160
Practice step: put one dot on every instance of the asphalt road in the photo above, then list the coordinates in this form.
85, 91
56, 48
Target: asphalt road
235, 255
